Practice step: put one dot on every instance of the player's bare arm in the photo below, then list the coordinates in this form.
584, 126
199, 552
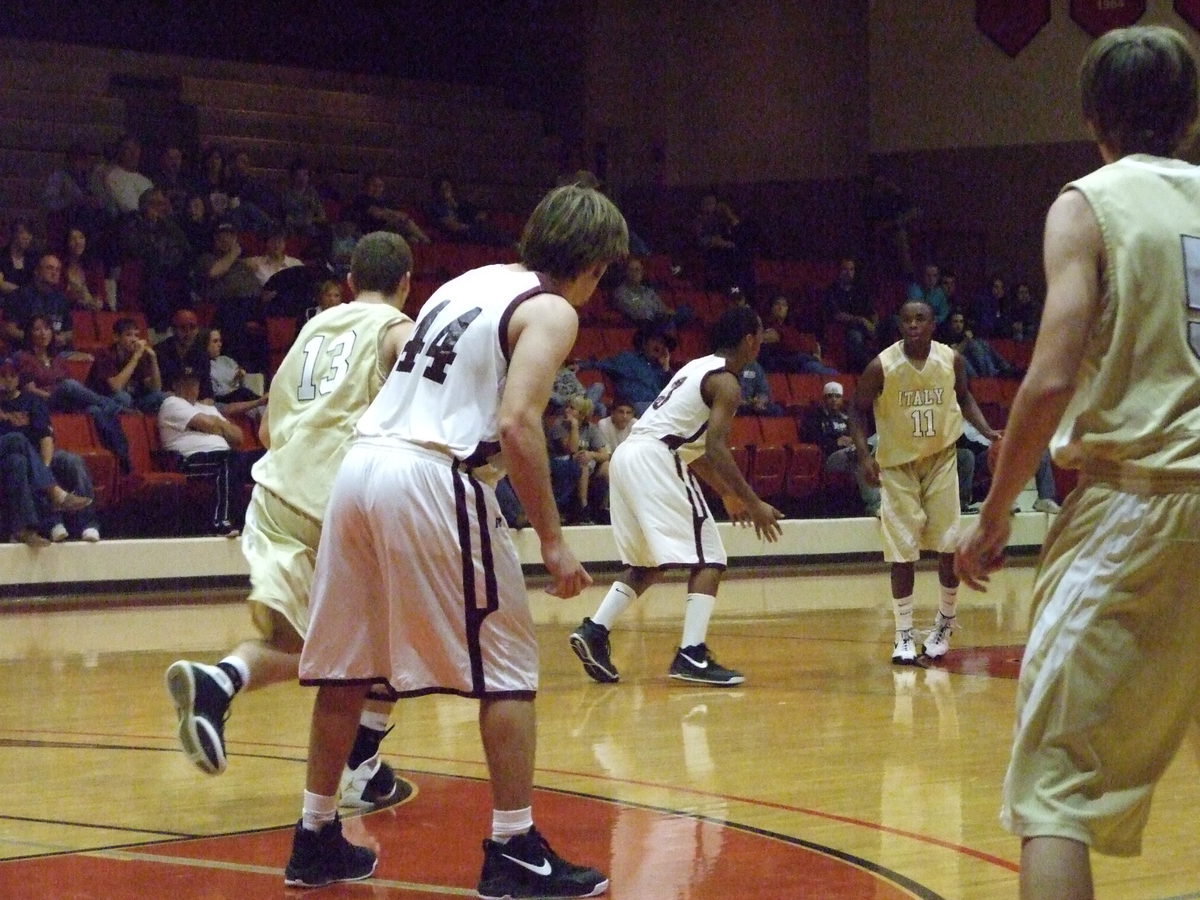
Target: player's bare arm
870, 383
723, 393
541, 333
1074, 254
966, 400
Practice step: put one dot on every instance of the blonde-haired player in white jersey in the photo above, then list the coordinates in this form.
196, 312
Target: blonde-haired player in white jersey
1110, 680
327, 379
917, 391
418, 585
659, 515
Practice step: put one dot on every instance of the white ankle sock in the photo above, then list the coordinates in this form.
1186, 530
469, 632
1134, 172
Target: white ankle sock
508, 823
948, 605
242, 669
695, 619
903, 609
376, 721
318, 811
615, 602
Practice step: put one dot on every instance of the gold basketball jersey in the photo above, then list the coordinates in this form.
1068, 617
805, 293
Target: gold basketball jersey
916, 412
1135, 416
324, 384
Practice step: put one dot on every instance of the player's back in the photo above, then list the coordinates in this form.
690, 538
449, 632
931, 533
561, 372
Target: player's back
326, 381
445, 389
678, 416
1137, 406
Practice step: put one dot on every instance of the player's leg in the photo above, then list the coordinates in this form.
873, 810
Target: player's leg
938, 641
320, 854
902, 520
942, 512
903, 577
591, 641
517, 861
1055, 868
693, 660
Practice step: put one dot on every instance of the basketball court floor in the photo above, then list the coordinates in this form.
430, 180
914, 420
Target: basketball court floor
830, 773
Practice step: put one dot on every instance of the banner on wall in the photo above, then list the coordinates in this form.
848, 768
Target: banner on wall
1189, 11
1011, 24
1098, 16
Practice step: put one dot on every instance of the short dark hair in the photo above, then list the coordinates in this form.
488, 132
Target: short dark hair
1139, 89
380, 261
123, 324
572, 229
735, 323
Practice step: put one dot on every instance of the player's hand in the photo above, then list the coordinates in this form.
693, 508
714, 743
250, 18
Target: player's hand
567, 572
981, 549
738, 514
766, 521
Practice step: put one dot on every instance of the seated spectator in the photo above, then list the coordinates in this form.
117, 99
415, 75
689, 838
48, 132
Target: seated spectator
153, 239
209, 182
985, 317
980, 357
1024, 315
727, 244
587, 178
82, 278
205, 441
184, 348
977, 446
70, 199
124, 182
756, 392
16, 260
372, 211
228, 280
196, 222
44, 374
127, 371
616, 427
303, 212
828, 426
253, 200
847, 303
41, 297
460, 221
567, 386
274, 258
591, 455
232, 396
562, 442
328, 293
784, 347
33, 499
640, 374
929, 289
171, 179
641, 304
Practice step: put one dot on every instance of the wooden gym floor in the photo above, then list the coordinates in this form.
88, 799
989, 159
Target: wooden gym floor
830, 773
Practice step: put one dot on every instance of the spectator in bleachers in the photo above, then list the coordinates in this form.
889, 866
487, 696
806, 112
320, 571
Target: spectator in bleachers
127, 370
642, 305
326, 294
154, 241
977, 446
205, 441
980, 357
82, 273
756, 392
1024, 315
209, 181
274, 257
591, 455
562, 441
728, 245
587, 178
987, 312
70, 197
785, 348
371, 211
40, 297
16, 260
44, 374
227, 279
252, 198
171, 179
460, 221
949, 283
34, 500
567, 386
185, 348
124, 182
617, 425
196, 222
228, 379
929, 289
828, 426
303, 212
640, 374
848, 303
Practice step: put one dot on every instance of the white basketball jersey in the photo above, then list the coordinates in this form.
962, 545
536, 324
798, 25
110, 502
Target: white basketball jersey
445, 389
679, 416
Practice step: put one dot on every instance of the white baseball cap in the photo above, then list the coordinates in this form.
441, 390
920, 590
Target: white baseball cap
833, 387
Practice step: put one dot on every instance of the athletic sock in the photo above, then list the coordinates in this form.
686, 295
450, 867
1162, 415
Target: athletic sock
695, 619
903, 608
318, 811
237, 670
508, 823
615, 602
948, 605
